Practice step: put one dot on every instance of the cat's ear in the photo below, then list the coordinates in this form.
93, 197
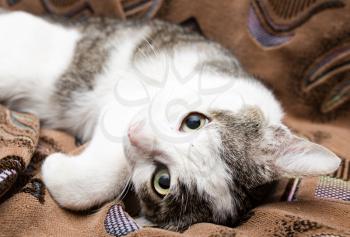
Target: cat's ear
300, 157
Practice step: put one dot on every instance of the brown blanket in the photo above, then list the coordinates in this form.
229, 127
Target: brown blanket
300, 48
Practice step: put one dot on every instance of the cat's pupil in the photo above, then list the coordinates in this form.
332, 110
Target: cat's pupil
164, 181
193, 121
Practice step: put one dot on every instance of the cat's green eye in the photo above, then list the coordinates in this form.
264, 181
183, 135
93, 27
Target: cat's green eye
193, 121
161, 182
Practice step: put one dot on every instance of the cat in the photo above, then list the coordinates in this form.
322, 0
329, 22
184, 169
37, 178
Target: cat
161, 107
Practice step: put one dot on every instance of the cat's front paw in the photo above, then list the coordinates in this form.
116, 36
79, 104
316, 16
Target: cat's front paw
68, 180
54, 169
56, 172
59, 175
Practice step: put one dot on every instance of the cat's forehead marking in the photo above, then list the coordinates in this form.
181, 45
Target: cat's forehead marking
246, 115
241, 129
243, 140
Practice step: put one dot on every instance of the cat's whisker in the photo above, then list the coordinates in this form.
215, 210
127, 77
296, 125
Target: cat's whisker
126, 189
152, 47
139, 50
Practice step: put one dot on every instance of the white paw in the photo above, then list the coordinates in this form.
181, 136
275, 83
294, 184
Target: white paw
57, 171
69, 181
54, 168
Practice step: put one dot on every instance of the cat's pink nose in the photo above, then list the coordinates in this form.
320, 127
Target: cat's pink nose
141, 138
134, 133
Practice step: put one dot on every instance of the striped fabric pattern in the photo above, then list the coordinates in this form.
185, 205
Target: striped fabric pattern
118, 222
333, 188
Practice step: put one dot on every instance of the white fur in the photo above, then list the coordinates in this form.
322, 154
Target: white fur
158, 92
34, 54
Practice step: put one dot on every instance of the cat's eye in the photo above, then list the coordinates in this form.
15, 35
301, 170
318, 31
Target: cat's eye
193, 121
161, 182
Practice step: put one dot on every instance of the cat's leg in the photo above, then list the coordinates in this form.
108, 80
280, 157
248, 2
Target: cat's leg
98, 174
33, 54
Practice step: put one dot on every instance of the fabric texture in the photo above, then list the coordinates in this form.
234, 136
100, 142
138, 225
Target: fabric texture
299, 48
83, 8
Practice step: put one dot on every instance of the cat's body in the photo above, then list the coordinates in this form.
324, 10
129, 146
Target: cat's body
159, 104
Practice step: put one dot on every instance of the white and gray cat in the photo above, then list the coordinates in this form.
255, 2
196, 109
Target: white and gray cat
171, 110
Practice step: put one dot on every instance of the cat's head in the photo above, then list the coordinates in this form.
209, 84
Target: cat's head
205, 164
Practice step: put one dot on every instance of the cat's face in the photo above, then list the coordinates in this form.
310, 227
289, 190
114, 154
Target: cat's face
204, 165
